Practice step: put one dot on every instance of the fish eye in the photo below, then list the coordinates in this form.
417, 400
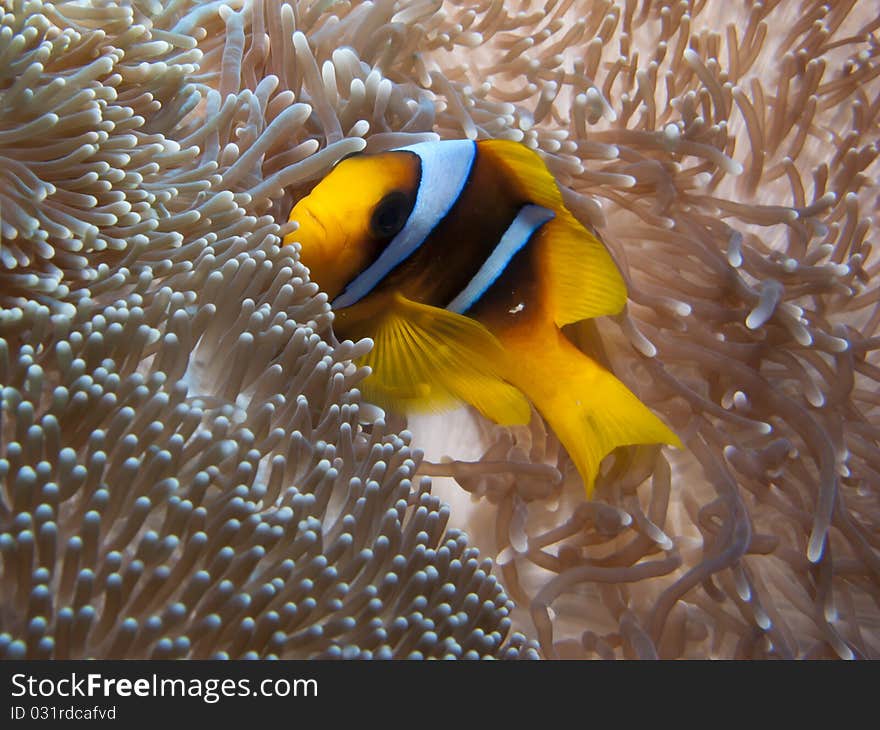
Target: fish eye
391, 214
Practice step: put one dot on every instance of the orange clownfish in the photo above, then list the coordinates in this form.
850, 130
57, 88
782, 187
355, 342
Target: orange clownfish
461, 262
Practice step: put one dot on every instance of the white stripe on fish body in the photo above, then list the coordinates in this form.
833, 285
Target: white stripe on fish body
446, 167
529, 219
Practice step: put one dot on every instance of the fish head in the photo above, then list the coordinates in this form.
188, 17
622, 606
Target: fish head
352, 214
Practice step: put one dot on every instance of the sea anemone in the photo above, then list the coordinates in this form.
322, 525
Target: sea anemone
188, 469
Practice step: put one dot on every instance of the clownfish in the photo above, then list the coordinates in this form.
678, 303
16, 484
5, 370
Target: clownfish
461, 262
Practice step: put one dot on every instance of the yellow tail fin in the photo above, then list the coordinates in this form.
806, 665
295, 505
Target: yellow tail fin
590, 410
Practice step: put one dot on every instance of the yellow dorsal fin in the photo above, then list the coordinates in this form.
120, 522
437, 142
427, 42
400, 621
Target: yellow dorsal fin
590, 410
426, 358
527, 168
582, 278
584, 281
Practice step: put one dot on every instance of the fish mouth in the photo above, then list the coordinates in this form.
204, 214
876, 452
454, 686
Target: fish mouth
308, 222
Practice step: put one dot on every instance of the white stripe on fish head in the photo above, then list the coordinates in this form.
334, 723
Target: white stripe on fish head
445, 167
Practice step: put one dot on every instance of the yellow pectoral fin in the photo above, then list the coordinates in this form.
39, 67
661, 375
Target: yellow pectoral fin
583, 280
427, 358
590, 410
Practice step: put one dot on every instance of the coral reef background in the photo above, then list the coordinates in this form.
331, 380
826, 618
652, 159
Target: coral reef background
187, 466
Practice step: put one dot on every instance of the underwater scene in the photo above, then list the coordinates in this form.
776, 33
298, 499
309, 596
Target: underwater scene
439, 329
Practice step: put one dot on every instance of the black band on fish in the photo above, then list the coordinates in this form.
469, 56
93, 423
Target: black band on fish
529, 219
445, 169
